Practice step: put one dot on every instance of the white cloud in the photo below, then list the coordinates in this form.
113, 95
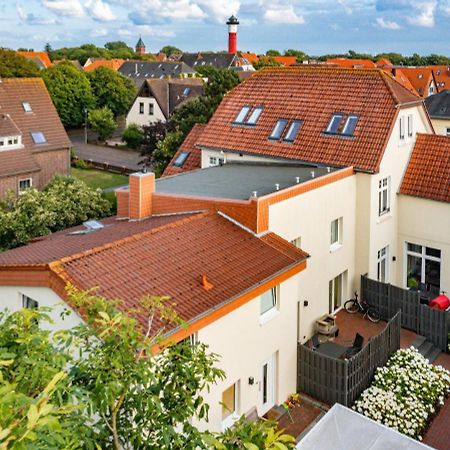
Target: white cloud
66, 8
282, 14
219, 10
147, 30
445, 7
125, 32
99, 10
388, 24
31, 19
346, 7
99, 32
425, 14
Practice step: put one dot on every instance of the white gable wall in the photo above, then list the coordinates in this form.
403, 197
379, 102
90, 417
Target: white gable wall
134, 115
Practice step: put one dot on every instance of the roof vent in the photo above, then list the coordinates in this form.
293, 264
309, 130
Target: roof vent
277, 186
93, 225
205, 283
297, 180
328, 169
255, 194
313, 174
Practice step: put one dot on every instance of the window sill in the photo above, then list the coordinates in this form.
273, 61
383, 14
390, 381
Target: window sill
229, 421
335, 247
384, 217
268, 316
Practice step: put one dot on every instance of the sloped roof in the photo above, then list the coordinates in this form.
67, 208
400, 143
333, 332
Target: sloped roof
170, 259
283, 60
352, 63
312, 95
139, 71
441, 76
41, 56
398, 75
420, 78
7, 126
438, 105
15, 162
194, 158
218, 60
113, 64
428, 172
250, 57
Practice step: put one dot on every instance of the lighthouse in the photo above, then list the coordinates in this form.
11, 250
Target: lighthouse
232, 34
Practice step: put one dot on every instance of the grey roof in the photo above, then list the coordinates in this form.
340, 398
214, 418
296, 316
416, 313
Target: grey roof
218, 60
239, 181
139, 71
439, 105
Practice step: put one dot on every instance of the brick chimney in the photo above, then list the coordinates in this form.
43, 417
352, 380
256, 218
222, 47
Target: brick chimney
135, 202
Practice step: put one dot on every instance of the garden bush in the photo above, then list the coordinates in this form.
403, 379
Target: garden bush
405, 393
133, 136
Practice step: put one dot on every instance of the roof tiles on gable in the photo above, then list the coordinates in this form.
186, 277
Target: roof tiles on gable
312, 95
428, 172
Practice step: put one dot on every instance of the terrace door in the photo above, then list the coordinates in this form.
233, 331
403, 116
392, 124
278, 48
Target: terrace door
267, 385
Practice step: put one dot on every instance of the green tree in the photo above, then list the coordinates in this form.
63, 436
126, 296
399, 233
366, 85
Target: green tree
133, 136
13, 65
273, 53
266, 62
102, 122
301, 56
220, 81
170, 50
165, 150
117, 45
111, 90
70, 91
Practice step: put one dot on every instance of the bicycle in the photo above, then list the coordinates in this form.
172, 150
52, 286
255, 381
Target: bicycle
354, 305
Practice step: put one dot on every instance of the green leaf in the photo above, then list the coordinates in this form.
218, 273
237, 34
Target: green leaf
250, 446
33, 416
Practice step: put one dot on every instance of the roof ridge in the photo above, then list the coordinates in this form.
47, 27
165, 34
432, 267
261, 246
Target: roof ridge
125, 240
387, 79
321, 67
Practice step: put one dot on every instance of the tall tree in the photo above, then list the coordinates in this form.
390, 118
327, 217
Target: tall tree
13, 65
170, 50
111, 90
70, 91
273, 53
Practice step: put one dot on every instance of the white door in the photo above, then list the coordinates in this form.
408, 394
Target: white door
267, 385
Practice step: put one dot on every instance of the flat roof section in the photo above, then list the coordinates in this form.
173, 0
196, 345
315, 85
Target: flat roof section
239, 181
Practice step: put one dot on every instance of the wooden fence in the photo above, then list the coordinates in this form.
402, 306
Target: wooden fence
333, 380
431, 323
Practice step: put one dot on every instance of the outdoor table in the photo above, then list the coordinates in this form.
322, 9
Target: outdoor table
332, 349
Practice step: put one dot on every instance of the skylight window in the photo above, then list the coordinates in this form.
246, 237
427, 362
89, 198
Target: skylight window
27, 107
38, 137
335, 121
350, 125
242, 114
181, 159
278, 129
254, 116
293, 130
186, 91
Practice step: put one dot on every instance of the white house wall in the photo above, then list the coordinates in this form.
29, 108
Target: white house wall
309, 217
424, 222
441, 126
134, 116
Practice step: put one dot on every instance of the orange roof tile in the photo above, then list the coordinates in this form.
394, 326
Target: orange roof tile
352, 63
442, 77
286, 60
428, 172
113, 64
43, 56
194, 159
312, 95
420, 78
383, 62
250, 57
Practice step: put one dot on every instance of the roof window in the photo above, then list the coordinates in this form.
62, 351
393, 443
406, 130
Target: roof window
242, 114
335, 121
186, 91
278, 129
181, 159
38, 137
254, 116
350, 125
293, 130
27, 107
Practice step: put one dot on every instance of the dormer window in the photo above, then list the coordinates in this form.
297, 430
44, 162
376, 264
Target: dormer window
27, 107
10, 142
278, 129
293, 130
242, 114
350, 125
38, 137
335, 121
254, 116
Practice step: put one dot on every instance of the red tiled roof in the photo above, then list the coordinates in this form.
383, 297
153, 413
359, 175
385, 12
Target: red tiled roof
428, 172
250, 57
194, 160
383, 62
398, 75
113, 64
311, 94
352, 63
18, 161
442, 77
43, 56
420, 78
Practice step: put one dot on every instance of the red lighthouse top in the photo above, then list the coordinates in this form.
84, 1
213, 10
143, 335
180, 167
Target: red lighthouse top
232, 34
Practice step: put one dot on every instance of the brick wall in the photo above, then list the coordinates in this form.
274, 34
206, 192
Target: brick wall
55, 162
12, 183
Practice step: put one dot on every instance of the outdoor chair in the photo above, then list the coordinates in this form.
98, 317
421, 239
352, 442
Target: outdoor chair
315, 342
356, 347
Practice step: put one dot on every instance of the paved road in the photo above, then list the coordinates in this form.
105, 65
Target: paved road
98, 153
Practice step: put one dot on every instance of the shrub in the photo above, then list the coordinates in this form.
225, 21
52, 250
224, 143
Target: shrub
80, 164
405, 393
102, 122
133, 136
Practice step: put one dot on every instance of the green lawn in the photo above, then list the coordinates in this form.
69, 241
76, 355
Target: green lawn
99, 178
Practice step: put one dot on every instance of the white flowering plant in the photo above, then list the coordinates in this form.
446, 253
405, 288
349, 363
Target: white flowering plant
405, 393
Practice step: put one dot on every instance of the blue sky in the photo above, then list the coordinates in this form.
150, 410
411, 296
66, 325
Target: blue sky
314, 26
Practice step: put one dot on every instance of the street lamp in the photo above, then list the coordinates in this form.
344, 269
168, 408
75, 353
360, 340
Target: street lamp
85, 125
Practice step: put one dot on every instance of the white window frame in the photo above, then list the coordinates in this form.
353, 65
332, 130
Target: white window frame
384, 204
141, 107
336, 234
402, 127
242, 115
20, 181
151, 109
28, 302
27, 107
269, 314
410, 125
383, 260
347, 124
254, 116
335, 117
423, 256
192, 339
213, 161
331, 285
234, 415
297, 242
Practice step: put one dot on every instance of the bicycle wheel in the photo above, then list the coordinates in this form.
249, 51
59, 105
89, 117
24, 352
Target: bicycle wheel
373, 314
351, 306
